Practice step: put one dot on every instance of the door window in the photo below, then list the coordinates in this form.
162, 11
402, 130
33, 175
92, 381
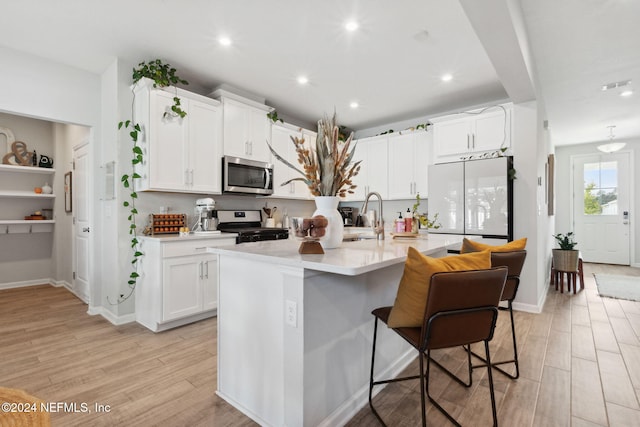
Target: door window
601, 188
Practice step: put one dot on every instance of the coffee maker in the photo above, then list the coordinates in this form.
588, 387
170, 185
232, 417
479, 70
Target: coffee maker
347, 215
205, 222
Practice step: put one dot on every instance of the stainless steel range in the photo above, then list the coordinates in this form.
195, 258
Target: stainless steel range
248, 225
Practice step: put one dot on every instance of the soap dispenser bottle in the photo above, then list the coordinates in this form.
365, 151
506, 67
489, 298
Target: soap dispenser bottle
408, 221
399, 224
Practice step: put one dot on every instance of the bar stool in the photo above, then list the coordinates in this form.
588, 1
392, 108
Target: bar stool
462, 308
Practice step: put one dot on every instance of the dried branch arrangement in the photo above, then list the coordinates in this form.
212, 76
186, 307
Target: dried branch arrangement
328, 170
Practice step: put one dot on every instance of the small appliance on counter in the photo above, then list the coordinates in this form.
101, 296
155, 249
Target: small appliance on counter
206, 223
248, 225
347, 213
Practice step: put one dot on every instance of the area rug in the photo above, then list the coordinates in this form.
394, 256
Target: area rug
19, 409
620, 287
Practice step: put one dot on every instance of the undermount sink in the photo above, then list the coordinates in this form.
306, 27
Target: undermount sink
358, 233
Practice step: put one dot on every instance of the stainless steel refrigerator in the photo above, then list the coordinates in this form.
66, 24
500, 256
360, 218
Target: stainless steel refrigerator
473, 197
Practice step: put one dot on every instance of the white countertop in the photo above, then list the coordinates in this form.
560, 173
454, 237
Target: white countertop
351, 258
191, 236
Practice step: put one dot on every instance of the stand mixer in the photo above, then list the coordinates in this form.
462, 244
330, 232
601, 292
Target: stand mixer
204, 223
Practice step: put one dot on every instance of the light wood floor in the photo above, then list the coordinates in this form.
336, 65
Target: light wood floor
580, 366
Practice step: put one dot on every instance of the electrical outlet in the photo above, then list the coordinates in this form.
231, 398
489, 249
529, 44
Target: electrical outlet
291, 313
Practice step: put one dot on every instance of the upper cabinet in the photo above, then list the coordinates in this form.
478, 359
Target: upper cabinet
283, 145
246, 130
473, 132
409, 156
180, 154
373, 176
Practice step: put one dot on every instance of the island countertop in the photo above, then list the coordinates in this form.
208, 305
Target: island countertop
351, 258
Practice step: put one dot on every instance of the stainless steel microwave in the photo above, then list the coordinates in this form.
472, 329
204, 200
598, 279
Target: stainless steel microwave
246, 176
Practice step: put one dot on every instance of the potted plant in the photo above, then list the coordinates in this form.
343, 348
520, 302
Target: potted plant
422, 220
162, 75
566, 257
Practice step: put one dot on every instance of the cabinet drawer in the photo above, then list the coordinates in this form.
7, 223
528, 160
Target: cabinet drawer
193, 247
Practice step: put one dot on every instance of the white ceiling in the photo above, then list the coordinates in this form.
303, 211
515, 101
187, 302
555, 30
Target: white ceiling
391, 65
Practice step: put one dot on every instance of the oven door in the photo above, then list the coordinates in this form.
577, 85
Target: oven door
246, 176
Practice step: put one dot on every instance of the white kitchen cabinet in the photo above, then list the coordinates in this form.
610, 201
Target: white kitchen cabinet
19, 199
283, 145
374, 168
178, 282
180, 154
472, 133
246, 130
409, 157
181, 300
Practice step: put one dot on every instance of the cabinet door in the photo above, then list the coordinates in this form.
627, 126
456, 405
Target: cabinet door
210, 282
401, 166
236, 123
453, 137
246, 130
378, 166
167, 148
492, 130
281, 142
181, 287
258, 134
360, 180
204, 148
423, 158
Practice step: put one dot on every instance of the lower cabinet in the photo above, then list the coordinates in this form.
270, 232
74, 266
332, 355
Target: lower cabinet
178, 283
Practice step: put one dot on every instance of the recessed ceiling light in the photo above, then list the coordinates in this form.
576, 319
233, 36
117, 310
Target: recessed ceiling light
303, 80
351, 26
354, 104
446, 77
224, 41
615, 85
628, 92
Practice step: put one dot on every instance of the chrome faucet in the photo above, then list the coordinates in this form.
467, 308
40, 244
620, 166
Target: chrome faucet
377, 226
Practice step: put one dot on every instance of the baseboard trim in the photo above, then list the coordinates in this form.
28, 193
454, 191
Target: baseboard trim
25, 283
111, 317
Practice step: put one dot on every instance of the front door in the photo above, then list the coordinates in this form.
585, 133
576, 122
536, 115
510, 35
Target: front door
82, 227
601, 207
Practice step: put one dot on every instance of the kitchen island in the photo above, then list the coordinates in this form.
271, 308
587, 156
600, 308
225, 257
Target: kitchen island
295, 331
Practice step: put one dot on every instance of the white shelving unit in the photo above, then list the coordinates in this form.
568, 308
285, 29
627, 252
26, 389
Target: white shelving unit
23, 195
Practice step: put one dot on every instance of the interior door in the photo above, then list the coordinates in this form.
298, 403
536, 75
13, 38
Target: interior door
81, 220
601, 207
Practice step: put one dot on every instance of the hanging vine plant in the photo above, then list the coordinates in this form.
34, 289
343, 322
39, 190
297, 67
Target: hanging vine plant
163, 75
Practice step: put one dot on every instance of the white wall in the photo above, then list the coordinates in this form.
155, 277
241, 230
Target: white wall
564, 191
39, 88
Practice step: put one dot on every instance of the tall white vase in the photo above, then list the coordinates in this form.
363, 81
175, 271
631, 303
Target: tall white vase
328, 207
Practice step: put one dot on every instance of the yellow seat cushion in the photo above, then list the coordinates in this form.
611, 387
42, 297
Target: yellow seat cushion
411, 299
473, 246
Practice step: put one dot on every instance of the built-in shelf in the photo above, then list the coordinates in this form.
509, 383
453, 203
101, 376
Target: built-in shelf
25, 194
26, 221
20, 226
27, 169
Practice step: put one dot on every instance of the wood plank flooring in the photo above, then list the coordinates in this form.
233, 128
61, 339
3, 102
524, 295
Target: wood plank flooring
580, 366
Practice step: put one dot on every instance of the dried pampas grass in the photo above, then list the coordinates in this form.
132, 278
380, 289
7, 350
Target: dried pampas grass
328, 169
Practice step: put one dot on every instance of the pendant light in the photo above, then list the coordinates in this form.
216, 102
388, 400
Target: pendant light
611, 146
